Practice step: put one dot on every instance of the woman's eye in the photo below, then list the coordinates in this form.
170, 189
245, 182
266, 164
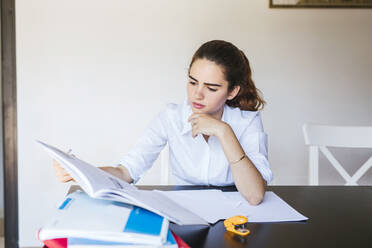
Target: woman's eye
212, 89
192, 83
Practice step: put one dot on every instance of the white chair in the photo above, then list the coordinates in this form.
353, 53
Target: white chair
318, 137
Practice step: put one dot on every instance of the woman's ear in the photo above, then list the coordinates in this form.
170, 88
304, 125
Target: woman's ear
233, 93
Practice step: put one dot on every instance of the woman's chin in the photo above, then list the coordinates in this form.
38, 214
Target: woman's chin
198, 111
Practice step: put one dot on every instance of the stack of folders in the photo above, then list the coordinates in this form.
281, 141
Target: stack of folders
82, 221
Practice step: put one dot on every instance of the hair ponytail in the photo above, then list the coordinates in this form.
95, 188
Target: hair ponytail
237, 72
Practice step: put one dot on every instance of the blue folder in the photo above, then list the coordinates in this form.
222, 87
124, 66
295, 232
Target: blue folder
79, 243
83, 217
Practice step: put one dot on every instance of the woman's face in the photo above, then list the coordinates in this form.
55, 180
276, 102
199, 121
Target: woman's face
207, 89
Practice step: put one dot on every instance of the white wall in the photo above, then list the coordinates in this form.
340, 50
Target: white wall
92, 74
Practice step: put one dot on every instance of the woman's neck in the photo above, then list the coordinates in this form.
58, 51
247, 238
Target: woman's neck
218, 115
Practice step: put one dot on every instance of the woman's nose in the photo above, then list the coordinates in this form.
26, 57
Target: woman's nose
199, 93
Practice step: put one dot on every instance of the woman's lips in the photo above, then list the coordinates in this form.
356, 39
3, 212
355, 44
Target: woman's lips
197, 105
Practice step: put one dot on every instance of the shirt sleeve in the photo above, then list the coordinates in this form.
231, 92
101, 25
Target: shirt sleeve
142, 156
254, 143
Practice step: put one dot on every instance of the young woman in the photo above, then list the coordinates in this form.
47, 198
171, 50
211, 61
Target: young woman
216, 136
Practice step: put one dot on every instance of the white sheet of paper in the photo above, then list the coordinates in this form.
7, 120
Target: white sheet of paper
211, 205
214, 205
271, 209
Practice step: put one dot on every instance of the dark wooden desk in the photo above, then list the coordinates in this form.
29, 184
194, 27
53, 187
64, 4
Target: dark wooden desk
339, 216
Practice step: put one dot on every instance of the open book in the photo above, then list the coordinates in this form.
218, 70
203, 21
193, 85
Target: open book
102, 185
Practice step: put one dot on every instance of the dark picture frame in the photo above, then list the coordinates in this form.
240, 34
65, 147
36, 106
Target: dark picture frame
320, 4
9, 125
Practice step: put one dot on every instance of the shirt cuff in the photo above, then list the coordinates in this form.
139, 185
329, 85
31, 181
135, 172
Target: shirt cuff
263, 166
131, 169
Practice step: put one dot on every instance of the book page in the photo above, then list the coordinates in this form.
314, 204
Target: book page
89, 177
164, 206
211, 204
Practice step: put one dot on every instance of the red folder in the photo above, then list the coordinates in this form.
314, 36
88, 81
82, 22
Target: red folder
62, 242
180, 242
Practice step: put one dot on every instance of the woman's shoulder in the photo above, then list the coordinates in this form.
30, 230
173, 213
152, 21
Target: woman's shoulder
174, 109
238, 115
243, 120
175, 113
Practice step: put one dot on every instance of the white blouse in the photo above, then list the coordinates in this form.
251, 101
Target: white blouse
193, 160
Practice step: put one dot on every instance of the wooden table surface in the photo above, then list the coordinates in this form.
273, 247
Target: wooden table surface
339, 216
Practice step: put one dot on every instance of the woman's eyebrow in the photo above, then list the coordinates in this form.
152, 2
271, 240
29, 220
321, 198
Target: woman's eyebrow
193, 78
209, 84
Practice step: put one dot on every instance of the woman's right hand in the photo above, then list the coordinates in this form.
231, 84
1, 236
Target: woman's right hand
61, 173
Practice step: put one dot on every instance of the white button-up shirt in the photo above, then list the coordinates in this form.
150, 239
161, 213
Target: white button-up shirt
193, 160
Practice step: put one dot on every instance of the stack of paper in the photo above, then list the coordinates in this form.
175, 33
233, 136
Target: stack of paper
83, 221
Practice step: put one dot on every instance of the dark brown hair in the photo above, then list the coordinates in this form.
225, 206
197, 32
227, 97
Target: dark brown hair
236, 70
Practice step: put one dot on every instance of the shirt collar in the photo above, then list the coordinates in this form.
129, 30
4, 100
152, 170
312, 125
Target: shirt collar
186, 112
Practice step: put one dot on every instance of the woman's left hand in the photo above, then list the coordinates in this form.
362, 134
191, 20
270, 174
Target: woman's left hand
206, 124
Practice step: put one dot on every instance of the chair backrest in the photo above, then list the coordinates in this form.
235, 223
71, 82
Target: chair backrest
318, 137
338, 136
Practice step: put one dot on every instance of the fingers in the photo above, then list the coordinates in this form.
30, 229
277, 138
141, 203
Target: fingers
194, 134
193, 119
197, 122
193, 122
195, 130
194, 116
61, 173
194, 126
66, 179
